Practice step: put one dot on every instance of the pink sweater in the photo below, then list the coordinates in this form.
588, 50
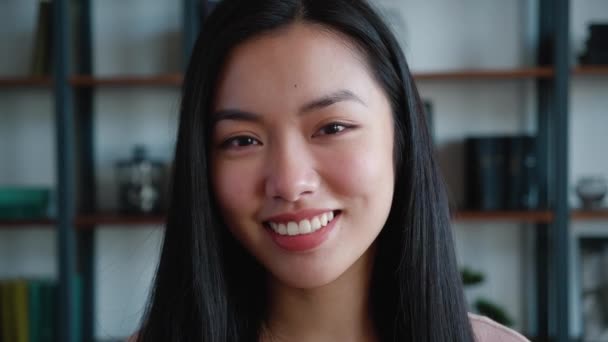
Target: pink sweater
486, 330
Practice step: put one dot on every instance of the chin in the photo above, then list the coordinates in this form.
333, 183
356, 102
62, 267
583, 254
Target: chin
305, 280
305, 273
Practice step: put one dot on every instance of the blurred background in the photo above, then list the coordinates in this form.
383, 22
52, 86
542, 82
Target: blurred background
516, 94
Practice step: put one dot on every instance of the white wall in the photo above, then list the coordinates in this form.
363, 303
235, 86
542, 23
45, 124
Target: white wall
142, 37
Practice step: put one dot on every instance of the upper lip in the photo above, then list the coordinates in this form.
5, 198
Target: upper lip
297, 216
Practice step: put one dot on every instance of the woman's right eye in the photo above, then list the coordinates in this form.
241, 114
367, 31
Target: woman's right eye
240, 142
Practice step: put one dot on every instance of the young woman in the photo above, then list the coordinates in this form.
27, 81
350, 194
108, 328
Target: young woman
307, 204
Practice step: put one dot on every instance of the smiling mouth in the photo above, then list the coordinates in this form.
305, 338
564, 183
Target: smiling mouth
303, 227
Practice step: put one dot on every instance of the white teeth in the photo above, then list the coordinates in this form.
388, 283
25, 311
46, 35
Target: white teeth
281, 229
292, 228
324, 220
304, 226
315, 223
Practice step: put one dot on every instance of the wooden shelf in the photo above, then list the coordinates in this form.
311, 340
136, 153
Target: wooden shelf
591, 70
84, 221
171, 80
176, 79
601, 214
509, 216
523, 73
26, 223
114, 219
27, 81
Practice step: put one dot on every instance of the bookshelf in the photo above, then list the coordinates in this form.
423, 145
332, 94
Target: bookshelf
114, 219
168, 80
12, 82
597, 70
504, 74
21, 224
83, 223
541, 217
584, 215
117, 219
176, 79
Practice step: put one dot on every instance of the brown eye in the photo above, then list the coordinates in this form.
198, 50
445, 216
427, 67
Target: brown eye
332, 128
240, 142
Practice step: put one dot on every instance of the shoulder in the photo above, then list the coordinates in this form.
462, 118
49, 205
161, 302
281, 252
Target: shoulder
487, 330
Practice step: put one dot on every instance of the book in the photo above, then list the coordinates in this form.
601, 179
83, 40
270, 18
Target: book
20, 310
42, 54
3, 326
35, 310
596, 51
485, 172
49, 314
522, 180
8, 331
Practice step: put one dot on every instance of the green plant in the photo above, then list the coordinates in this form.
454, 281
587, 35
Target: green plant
482, 305
493, 311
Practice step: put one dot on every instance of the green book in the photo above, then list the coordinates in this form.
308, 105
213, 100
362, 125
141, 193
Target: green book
7, 312
35, 310
21, 310
48, 307
2, 301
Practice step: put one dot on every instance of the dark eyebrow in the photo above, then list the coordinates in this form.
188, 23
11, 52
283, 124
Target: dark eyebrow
325, 101
235, 114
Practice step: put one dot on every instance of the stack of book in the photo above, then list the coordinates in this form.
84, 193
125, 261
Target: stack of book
501, 173
29, 311
597, 45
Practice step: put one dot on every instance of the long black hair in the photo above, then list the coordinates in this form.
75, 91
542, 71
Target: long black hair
208, 288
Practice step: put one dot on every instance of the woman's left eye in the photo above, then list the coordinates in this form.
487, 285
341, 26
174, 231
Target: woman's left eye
332, 128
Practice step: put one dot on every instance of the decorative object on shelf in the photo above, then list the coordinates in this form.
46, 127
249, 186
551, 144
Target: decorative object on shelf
596, 51
501, 173
141, 182
592, 190
484, 306
18, 203
594, 287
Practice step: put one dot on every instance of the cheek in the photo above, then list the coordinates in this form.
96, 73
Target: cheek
365, 167
234, 188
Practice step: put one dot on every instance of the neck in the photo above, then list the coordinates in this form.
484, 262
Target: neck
338, 311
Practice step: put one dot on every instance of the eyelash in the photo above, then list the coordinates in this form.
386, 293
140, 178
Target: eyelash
343, 126
234, 142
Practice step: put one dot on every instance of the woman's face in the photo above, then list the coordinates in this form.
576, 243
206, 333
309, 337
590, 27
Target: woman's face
302, 153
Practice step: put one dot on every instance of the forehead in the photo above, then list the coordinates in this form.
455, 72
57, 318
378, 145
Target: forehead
289, 66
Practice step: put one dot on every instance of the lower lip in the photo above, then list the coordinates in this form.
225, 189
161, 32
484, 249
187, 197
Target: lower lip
303, 242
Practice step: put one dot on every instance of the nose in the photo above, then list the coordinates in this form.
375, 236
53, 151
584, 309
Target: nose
291, 173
